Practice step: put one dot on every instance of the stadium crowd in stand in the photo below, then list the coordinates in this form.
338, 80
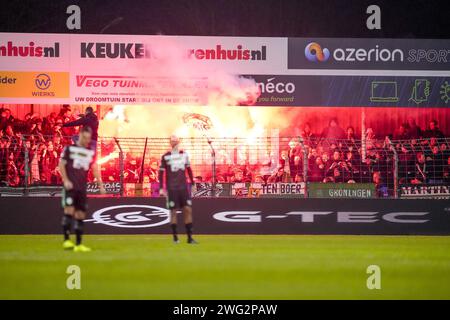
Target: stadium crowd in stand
334, 155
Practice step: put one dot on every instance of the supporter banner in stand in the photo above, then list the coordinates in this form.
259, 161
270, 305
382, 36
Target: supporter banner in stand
110, 188
425, 191
205, 189
369, 54
268, 190
142, 69
141, 189
249, 190
341, 190
235, 216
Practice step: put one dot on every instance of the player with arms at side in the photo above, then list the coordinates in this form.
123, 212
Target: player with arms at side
174, 164
75, 162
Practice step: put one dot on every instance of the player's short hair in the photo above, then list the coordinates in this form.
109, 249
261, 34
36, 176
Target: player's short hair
86, 129
89, 110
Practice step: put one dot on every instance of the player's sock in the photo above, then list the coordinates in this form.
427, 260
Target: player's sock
66, 224
189, 231
174, 231
79, 230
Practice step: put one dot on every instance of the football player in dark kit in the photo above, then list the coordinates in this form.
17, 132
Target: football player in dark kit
175, 164
75, 162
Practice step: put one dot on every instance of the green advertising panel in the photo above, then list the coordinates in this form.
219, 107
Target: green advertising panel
341, 190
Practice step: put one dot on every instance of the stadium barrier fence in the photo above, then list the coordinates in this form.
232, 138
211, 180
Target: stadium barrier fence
237, 167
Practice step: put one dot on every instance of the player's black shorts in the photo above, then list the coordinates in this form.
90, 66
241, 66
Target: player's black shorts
75, 198
178, 199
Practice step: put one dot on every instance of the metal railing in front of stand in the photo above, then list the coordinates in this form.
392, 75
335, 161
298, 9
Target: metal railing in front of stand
31, 162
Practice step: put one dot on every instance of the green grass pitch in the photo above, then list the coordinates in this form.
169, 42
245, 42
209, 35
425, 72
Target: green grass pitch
227, 267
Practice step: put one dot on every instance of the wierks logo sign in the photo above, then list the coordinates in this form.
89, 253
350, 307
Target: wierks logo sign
43, 81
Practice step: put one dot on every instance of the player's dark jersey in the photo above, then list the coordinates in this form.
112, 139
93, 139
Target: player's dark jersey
78, 161
175, 165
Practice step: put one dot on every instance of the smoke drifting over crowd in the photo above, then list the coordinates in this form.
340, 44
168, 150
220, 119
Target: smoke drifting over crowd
211, 98
219, 92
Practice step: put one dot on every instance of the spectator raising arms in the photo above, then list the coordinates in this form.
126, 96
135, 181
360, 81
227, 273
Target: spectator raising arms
89, 119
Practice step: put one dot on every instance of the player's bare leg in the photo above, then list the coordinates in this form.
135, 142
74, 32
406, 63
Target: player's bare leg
173, 225
187, 213
67, 226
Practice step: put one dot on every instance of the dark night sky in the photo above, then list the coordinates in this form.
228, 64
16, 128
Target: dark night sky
318, 18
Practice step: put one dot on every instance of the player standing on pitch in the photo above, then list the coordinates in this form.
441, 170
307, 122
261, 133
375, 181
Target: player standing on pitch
75, 162
175, 163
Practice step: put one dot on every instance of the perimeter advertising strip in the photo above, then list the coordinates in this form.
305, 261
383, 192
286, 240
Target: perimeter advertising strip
236, 216
133, 69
